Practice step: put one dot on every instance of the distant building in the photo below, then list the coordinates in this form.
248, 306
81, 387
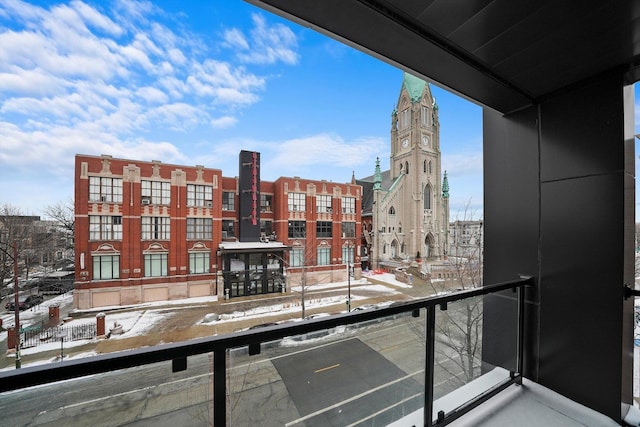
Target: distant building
39, 243
149, 231
465, 239
406, 209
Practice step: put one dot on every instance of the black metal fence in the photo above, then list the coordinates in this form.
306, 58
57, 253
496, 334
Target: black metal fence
34, 335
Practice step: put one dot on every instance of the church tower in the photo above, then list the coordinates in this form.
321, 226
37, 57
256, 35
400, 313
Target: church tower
410, 208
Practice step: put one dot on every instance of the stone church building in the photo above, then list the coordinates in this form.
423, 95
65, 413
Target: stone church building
405, 210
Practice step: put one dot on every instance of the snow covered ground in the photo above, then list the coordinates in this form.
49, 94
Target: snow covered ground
145, 316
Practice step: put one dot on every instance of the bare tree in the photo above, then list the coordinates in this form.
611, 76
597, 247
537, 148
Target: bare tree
15, 228
459, 327
64, 216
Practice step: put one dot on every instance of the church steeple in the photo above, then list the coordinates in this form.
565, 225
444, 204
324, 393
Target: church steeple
377, 176
445, 186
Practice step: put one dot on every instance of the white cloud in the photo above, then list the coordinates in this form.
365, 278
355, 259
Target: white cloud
223, 122
267, 45
235, 39
96, 19
152, 95
464, 163
35, 83
312, 155
118, 78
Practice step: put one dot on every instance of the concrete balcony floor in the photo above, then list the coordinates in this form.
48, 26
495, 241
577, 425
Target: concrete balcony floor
532, 405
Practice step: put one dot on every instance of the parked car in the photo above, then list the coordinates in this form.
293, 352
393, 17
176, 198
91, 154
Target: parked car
25, 302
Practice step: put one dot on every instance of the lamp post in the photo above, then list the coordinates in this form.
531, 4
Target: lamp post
349, 258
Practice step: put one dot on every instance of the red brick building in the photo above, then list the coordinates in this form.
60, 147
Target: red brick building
149, 231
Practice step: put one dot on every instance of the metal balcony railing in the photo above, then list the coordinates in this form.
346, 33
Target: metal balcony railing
407, 362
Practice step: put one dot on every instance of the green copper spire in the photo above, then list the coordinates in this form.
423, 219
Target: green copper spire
414, 86
445, 186
377, 176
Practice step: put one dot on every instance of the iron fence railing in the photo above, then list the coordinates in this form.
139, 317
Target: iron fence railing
253, 339
35, 335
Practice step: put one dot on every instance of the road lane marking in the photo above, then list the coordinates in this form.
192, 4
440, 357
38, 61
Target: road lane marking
326, 369
382, 411
352, 398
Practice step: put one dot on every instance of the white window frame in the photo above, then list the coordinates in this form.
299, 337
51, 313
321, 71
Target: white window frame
105, 227
348, 205
105, 190
156, 192
323, 203
199, 195
297, 202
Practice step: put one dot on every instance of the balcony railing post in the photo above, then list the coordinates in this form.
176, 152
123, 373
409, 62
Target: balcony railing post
520, 338
429, 365
220, 388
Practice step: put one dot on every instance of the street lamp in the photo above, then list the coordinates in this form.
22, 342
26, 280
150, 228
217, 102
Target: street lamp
349, 267
16, 305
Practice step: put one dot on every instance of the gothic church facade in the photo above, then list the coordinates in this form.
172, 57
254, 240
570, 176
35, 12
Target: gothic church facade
406, 208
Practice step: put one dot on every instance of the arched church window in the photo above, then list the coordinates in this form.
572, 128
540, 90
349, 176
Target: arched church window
405, 118
424, 166
392, 210
406, 168
426, 116
427, 196
429, 168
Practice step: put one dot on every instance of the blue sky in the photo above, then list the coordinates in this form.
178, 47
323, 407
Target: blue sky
194, 83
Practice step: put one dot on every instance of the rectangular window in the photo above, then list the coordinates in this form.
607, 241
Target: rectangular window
199, 195
297, 229
266, 202
266, 227
156, 192
297, 202
296, 257
324, 256
348, 205
323, 228
156, 228
228, 230
155, 265
105, 227
106, 267
348, 229
228, 201
199, 262
347, 254
323, 203
105, 190
199, 228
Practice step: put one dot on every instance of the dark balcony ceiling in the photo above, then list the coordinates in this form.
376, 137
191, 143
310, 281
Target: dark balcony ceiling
504, 54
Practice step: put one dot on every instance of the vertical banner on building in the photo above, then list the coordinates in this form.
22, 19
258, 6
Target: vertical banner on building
249, 197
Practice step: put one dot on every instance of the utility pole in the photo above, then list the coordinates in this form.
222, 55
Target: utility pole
16, 306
